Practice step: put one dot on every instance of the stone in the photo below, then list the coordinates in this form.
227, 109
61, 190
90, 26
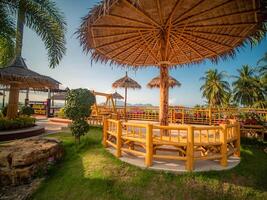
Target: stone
20, 160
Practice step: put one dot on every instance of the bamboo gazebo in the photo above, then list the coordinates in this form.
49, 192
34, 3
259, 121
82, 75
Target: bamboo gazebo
170, 33
126, 82
17, 76
155, 83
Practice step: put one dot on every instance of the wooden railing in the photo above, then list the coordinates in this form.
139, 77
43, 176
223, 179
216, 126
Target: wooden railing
186, 115
181, 142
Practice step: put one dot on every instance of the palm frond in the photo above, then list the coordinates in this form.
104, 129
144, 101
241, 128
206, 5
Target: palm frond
45, 22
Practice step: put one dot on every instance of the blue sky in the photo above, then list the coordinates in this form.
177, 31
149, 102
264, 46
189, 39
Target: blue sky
75, 70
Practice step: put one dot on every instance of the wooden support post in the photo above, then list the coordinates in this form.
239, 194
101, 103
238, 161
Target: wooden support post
12, 109
119, 134
190, 149
105, 134
149, 145
164, 95
237, 142
183, 116
223, 139
125, 103
210, 115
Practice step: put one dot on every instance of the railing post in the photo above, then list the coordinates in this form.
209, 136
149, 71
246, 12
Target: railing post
190, 149
105, 134
183, 115
237, 143
149, 145
210, 115
119, 134
223, 139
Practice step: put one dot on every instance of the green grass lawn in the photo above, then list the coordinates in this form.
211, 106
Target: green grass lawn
89, 172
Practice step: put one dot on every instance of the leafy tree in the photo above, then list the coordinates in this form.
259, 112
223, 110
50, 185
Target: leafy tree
42, 16
215, 88
247, 87
78, 108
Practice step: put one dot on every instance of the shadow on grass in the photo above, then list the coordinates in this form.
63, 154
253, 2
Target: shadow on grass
88, 171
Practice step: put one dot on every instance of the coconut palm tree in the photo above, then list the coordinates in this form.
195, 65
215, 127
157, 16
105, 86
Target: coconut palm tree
263, 72
215, 88
42, 16
247, 88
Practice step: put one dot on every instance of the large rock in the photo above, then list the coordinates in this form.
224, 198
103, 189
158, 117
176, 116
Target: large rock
20, 160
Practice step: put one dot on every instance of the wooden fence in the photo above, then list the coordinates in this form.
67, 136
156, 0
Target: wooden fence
179, 114
182, 142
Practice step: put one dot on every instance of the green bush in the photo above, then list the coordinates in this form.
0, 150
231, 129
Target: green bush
61, 113
79, 102
79, 128
78, 108
26, 110
17, 123
4, 111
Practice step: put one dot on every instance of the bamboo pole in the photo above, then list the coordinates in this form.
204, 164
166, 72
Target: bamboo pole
105, 128
149, 145
237, 143
119, 141
125, 104
223, 138
12, 108
210, 115
190, 149
164, 95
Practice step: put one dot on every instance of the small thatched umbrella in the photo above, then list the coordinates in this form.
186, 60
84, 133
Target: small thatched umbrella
18, 76
155, 83
116, 96
170, 33
126, 82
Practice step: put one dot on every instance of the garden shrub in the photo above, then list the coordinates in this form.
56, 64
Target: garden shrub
26, 110
16, 123
61, 113
4, 111
78, 108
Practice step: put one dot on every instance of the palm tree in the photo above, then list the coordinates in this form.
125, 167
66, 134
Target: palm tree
42, 16
263, 72
247, 87
215, 89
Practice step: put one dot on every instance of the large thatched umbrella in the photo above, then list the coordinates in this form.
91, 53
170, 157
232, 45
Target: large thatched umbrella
18, 76
155, 82
169, 33
126, 82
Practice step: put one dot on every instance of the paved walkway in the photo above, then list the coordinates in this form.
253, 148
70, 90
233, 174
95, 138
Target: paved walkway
176, 165
51, 127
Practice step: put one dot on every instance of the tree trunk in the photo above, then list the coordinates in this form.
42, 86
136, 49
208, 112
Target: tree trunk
20, 28
125, 105
12, 108
164, 95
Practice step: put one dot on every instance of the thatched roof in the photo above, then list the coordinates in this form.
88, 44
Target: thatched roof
126, 82
172, 32
155, 82
116, 95
18, 72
